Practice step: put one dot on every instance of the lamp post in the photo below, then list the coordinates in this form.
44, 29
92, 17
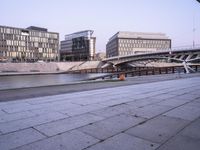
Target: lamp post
194, 28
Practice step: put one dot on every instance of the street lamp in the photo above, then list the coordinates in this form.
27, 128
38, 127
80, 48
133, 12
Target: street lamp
194, 29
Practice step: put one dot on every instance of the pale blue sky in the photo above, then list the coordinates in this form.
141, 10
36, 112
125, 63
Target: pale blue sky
106, 17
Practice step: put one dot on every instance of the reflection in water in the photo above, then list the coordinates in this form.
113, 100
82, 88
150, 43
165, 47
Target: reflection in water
8, 82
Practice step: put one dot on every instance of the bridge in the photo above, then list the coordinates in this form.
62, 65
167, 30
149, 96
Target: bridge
171, 57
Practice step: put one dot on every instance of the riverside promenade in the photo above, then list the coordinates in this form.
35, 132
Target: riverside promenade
163, 115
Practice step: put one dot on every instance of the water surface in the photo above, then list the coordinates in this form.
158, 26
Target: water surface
10, 82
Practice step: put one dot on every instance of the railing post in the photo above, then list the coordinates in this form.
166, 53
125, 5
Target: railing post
184, 70
139, 72
153, 71
172, 69
160, 71
112, 70
166, 70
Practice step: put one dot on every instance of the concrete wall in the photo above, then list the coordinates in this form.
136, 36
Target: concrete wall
47, 67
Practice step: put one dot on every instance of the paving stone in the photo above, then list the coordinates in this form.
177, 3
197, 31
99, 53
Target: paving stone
150, 111
117, 101
48, 99
195, 92
172, 102
197, 100
16, 107
16, 116
124, 142
2, 112
159, 129
193, 130
26, 107
181, 143
61, 106
41, 111
188, 97
179, 92
73, 140
12, 103
194, 104
67, 124
185, 112
19, 138
114, 110
109, 127
30, 122
164, 96
82, 109
91, 99
144, 102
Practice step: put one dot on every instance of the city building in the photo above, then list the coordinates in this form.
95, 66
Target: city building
129, 43
28, 45
79, 46
100, 56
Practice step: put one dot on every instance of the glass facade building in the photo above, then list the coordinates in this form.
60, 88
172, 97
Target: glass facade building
79, 46
28, 45
129, 43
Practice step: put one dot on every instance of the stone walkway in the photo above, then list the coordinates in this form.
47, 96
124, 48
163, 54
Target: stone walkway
162, 115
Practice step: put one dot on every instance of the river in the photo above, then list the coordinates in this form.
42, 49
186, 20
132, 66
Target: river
12, 82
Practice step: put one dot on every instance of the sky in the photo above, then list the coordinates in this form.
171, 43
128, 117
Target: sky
176, 18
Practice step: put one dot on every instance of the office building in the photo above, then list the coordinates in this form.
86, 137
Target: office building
100, 56
79, 46
129, 43
28, 45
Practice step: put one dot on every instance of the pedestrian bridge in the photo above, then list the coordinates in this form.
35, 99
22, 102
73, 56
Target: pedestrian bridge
170, 57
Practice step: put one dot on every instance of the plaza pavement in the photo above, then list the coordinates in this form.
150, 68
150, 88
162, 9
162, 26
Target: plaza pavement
161, 115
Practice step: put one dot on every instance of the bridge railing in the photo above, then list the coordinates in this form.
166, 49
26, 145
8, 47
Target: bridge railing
181, 48
147, 71
174, 49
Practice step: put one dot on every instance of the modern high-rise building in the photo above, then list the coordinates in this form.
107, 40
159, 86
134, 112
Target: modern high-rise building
28, 45
79, 46
129, 43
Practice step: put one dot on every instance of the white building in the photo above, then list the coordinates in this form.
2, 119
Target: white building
129, 43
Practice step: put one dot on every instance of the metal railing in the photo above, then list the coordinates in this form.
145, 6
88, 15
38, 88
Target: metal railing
147, 71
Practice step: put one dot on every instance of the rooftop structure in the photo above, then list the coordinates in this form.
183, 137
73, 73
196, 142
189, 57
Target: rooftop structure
37, 28
138, 35
85, 33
